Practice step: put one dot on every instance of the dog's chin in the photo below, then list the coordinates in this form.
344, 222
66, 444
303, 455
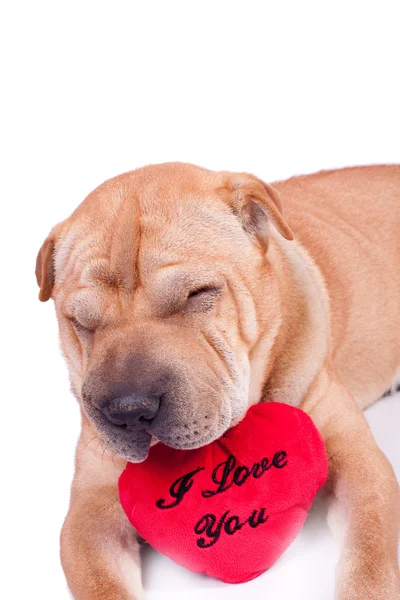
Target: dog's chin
137, 448
192, 443
134, 446
133, 443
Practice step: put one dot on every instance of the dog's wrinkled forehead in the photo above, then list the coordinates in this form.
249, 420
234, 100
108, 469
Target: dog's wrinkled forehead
157, 217
147, 221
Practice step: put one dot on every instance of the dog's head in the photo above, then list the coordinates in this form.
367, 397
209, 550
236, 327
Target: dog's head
167, 302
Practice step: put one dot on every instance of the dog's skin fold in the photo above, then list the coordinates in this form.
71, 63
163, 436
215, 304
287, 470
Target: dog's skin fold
182, 299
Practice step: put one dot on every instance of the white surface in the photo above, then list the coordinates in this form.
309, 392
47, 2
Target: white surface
91, 89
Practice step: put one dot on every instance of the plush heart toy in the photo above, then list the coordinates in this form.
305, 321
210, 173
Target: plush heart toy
231, 508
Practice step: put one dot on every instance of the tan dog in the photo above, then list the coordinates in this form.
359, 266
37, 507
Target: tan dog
182, 299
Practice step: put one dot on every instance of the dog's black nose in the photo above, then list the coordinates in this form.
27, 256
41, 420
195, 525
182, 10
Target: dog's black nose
133, 409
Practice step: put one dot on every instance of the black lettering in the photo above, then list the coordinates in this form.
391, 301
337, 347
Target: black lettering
220, 477
212, 528
256, 470
238, 472
257, 518
179, 488
278, 459
226, 473
207, 525
233, 525
265, 465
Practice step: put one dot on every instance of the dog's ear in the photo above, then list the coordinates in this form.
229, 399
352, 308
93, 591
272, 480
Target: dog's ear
256, 204
45, 275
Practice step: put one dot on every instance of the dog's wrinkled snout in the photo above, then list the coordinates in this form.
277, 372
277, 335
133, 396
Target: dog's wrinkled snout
130, 410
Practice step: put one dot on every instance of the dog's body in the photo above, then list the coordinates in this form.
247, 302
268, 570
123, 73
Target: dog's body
313, 322
349, 223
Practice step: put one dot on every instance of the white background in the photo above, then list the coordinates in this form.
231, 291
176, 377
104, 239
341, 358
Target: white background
92, 89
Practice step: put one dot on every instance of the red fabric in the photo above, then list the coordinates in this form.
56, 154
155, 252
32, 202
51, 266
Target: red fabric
240, 531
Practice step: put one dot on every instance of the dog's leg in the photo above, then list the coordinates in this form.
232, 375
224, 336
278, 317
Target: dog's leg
363, 494
99, 548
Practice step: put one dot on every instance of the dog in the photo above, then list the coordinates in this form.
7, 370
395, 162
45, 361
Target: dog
183, 297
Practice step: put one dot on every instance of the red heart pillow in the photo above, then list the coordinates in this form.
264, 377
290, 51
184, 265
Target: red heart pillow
231, 508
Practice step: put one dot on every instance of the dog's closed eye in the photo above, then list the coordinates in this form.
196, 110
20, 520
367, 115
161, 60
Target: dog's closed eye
203, 298
79, 327
83, 309
206, 289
